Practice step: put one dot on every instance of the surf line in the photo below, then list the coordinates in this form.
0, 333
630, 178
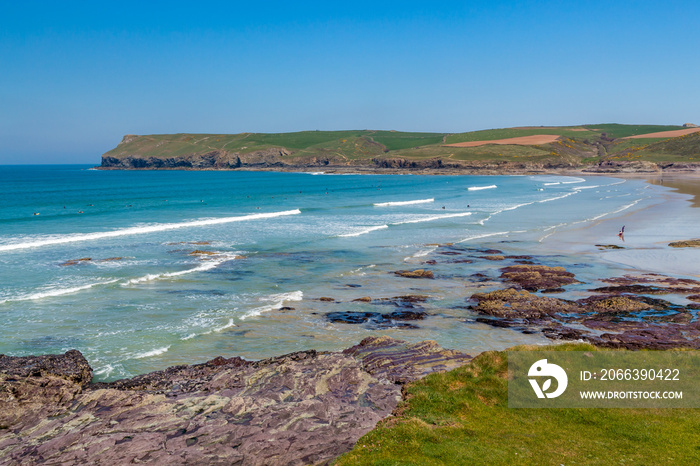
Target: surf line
141, 230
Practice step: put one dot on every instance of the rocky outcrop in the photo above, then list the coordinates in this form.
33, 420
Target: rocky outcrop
619, 316
211, 160
419, 273
619, 166
537, 277
301, 408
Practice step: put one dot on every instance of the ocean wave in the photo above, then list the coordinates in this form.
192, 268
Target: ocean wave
55, 292
140, 230
479, 188
229, 325
153, 352
551, 184
363, 232
577, 180
277, 300
486, 235
400, 203
206, 265
105, 371
435, 217
558, 197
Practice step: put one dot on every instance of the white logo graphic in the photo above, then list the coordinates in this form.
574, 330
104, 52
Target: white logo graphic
542, 368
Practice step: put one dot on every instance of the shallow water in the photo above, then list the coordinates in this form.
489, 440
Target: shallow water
143, 301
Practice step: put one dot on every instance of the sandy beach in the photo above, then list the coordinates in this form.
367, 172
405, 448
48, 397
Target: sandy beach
672, 217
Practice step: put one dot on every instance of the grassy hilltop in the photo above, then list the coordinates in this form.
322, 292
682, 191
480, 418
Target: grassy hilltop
576, 147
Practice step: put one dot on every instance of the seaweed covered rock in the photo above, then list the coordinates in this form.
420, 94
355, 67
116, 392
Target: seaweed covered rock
537, 277
512, 303
419, 273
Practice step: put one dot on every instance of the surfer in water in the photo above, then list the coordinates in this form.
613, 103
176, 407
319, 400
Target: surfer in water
621, 234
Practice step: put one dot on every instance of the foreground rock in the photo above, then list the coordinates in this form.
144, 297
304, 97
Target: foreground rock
302, 408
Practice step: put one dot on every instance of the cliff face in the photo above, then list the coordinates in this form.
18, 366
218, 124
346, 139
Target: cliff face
215, 159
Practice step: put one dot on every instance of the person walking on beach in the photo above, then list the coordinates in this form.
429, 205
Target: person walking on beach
621, 235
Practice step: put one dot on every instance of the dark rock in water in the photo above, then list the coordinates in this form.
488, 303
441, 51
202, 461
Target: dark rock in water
301, 408
419, 273
354, 317
377, 319
494, 258
364, 299
406, 315
286, 308
609, 246
537, 277
83, 260
353, 285
632, 289
553, 290
326, 299
492, 251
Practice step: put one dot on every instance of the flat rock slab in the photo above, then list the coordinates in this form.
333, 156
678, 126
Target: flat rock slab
302, 408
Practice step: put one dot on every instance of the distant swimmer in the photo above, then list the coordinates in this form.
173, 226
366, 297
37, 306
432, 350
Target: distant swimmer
36, 213
443, 207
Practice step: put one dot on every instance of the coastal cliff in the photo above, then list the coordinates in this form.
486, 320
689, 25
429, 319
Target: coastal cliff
591, 148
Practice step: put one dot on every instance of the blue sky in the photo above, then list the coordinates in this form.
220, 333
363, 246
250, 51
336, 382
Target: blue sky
76, 76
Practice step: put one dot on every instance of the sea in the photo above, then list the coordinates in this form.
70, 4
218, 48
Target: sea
141, 270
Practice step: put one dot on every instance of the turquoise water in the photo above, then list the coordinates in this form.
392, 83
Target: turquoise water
143, 301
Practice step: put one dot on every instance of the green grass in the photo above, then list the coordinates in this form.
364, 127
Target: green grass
614, 130
505, 133
395, 140
462, 417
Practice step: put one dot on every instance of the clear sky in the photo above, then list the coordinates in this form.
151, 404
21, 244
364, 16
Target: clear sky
76, 76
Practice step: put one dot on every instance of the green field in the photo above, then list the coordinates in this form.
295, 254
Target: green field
577, 146
462, 417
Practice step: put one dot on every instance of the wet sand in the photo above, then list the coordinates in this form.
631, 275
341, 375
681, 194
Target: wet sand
673, 216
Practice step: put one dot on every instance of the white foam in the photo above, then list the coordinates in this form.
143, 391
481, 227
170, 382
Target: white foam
436, 217
229, 325
108, 369
400, 203
365, 231
206, 265
552, 184
140, 230
154, 352
558, 197
486, 235
479, 188
277, 301
577, 180
55, 292
317, 173
419, 254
